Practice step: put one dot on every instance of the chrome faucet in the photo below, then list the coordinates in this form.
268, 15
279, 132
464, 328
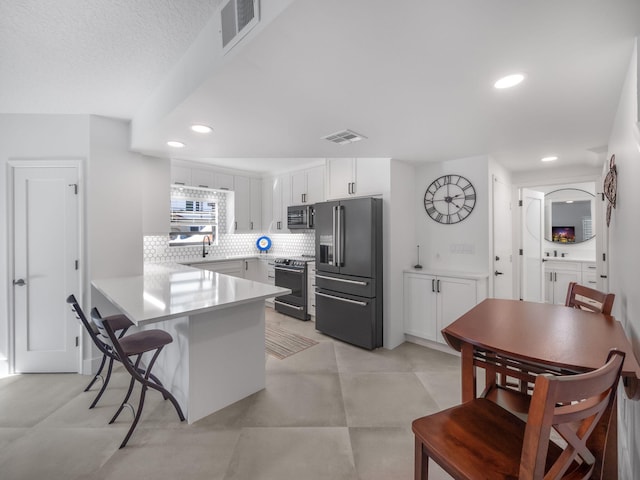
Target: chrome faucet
204, 252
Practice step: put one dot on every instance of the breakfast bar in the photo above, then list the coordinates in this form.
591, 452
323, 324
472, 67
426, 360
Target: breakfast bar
217, 356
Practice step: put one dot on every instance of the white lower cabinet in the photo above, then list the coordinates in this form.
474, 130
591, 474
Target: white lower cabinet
252, 270
235, 268
558, 275
433, 301
311, 288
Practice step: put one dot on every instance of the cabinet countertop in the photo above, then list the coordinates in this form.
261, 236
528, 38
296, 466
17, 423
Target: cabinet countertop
166, 291
568, 259
449, 273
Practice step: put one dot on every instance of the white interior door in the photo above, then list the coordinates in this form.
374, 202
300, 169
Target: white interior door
45, 248
532, 245
502, 240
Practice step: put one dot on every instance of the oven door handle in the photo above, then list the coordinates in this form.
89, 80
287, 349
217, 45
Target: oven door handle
348, 300
296, 270
353, 282
289, 305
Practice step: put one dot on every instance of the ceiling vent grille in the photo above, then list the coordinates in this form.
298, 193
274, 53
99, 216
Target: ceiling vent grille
237, 18
345, 136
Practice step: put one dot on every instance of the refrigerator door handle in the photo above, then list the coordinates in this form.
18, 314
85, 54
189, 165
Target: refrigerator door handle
335, 249
296, 307
348, 300
340, 260
354, 282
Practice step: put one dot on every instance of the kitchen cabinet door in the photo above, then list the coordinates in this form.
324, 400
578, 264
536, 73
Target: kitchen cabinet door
372, 176
202, 177
180, 175
280, 187
340, 176
558, 275
255, 207
307, 186
420, 306
456, 296
252, 269
223, 181
311, 288
242, 203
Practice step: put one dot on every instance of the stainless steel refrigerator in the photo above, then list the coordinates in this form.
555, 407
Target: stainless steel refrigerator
349, 270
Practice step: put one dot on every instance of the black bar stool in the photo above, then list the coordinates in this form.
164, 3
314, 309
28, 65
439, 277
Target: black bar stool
135, 345
120, 324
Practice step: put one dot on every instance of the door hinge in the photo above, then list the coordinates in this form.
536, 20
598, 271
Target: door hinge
521, 252
604, 257
77, 264
75, 187
603, 276
77, 341
519, 203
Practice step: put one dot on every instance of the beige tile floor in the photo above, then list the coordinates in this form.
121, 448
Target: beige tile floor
332, 412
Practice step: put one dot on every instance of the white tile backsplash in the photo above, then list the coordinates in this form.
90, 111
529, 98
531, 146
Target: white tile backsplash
156, 248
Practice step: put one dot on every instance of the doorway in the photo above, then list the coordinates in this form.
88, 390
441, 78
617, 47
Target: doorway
45, 255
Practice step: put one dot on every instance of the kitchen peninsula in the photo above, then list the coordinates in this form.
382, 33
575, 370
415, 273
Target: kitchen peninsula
217, 322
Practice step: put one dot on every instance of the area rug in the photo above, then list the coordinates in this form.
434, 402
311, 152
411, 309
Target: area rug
281, 343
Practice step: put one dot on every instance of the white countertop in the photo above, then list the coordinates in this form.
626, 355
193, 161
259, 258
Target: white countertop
170, 290
449, 273
568, 259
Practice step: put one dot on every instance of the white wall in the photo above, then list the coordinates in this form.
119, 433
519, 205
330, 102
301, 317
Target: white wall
624, 265
400, 237
112, 195
441, 244
25, 137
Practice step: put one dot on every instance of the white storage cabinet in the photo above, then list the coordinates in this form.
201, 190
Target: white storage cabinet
433, 301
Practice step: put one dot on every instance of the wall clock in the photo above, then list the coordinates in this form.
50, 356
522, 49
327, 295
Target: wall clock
450, 199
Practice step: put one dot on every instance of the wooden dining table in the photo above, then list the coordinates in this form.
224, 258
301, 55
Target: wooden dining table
562, 339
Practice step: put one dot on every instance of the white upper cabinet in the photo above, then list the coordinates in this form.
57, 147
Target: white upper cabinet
201, 177
357, 176
180, 175
307, 186
223, 181
276, 199
247, 203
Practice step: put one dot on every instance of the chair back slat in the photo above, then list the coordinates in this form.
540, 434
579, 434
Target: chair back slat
585, 298
573, 405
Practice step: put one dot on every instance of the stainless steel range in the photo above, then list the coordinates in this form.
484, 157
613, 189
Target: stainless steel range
292, 273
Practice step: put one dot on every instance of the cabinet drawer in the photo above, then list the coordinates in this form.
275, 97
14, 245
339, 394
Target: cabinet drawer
564, 266
589, 267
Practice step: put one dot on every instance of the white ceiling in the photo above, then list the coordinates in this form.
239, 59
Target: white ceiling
414, 76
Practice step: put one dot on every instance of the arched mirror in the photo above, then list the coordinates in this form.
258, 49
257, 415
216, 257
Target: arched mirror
569, 216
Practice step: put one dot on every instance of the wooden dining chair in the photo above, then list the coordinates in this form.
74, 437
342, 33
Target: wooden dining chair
585, 298
481, 440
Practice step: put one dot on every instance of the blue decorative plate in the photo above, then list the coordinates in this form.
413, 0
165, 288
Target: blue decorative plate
263, 244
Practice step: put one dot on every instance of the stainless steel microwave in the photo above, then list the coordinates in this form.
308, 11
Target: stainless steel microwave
300, 217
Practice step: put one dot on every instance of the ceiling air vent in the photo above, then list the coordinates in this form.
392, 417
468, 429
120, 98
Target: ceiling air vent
344, 137
237, 18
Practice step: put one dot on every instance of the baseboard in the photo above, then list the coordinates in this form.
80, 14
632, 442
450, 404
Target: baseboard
90, 365
430, 344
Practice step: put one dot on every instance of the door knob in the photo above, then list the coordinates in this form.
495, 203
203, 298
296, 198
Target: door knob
20, 282
496, 273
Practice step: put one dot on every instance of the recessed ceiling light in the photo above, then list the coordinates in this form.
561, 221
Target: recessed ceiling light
201, 128
175, 144
509, 81
549, 159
